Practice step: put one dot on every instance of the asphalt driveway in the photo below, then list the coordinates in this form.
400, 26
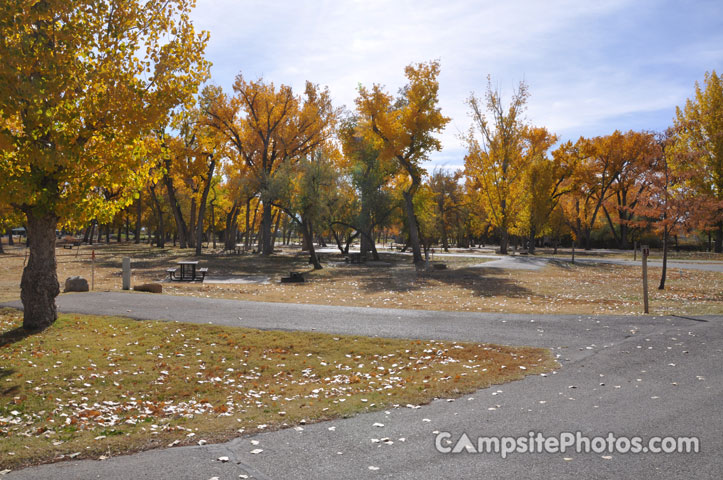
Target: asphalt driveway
630, 376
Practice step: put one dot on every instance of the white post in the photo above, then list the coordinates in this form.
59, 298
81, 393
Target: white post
126, 273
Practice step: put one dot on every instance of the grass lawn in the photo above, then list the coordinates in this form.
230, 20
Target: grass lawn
466, 285
93, 387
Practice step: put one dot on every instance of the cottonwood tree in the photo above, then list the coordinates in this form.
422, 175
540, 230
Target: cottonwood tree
81, 83
495, 163
370, 176
403, 130
699, 126
306, 191
597, 165
270, 127
545, 177
638, 151
450, 210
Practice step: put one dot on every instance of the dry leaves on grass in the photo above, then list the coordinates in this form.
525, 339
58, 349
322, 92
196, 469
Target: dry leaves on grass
103, 386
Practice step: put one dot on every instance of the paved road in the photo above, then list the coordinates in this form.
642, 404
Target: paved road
634, 376
535, 262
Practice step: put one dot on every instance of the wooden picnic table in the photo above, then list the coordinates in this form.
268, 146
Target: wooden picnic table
185, 265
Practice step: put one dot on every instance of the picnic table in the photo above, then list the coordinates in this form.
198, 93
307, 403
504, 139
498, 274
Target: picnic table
188, 271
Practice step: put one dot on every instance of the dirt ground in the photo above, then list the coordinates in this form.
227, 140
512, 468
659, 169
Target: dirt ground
466, 285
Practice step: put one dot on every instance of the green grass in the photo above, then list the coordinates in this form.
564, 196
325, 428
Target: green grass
96, 386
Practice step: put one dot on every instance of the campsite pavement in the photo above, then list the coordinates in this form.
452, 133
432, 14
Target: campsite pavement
627, 375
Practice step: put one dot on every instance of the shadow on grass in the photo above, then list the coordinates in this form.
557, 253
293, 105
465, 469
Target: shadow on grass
480, 281
156, 264
15, 335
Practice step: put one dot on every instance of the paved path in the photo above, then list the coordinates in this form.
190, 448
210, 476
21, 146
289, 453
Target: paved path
635, 376
535, 262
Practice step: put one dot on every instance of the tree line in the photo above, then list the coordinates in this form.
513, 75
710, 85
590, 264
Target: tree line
104, 123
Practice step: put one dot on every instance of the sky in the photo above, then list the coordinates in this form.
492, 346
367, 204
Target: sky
592, 66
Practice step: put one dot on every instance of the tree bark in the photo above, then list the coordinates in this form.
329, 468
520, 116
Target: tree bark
160, 238
413, 226
718, 238
202, 205
308, 229
39, 285
531, 241
11, 240
229, 236
665, 259
1, 244
176, 209
504, 240
276, 230
192, 232
266, 247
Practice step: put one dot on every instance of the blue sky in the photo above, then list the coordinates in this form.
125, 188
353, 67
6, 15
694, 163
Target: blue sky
591, 66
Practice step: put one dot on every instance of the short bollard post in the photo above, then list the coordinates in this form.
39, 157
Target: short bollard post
126, 273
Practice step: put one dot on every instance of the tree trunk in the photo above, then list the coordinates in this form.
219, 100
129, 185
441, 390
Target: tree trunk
718, 238
87, 235
249, 226
308, 229
266, 247
445, 242
139, 215
413, 226
229, 237
39, 285
100, 233
1, 244
350, 239
202, 205
160, 239
276, 230
192, 232
176, 210
531, 241
338, 242
213, 224
11, 240
504, 240
665, 259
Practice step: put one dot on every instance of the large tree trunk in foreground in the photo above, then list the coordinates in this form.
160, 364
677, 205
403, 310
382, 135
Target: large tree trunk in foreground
39, 285
413, 227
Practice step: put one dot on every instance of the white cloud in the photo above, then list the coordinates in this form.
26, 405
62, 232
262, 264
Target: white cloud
586, 62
